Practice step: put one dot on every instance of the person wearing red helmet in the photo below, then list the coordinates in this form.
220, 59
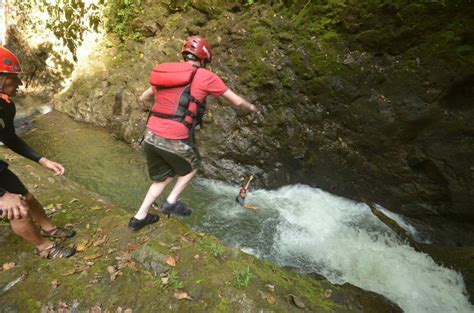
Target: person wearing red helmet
240, 199
17, 204
179, 90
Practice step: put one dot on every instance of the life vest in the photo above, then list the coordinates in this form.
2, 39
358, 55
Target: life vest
172, 81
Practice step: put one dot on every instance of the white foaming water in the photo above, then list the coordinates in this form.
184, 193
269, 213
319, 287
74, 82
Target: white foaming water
44, 109
341, 239
405, 225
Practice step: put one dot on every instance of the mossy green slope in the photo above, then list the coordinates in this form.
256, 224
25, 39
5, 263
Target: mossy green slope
148, 270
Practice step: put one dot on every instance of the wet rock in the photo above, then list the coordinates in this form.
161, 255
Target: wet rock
151, 260
196, 292
316, 276
294, 300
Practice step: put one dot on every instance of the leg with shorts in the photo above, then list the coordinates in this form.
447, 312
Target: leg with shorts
25, 227
166, 159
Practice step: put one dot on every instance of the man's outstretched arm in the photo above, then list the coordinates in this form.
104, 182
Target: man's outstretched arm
248, 182
238, 102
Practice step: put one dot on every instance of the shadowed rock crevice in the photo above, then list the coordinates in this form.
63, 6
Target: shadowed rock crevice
460, 95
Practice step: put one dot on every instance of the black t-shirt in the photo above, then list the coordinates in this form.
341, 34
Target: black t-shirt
8, 135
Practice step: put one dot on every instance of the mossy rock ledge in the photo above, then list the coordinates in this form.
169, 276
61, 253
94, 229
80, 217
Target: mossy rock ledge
163, 267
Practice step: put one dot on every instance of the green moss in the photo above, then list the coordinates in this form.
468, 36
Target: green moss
257, 63
411, 11
467, 52
285, 36
309, 290
222, 306
212, 247
33, 305
123, 17
156, 246
173, 23
329, 36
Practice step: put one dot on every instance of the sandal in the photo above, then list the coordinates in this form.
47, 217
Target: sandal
181, 209
56, 251
177, 208
136, 224
58, 232
167, 208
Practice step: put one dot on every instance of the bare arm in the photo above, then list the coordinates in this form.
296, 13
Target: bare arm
248, 182
57, 168
238, 102
147, 95
251, 207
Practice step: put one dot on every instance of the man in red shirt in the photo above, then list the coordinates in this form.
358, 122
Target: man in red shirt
179, 90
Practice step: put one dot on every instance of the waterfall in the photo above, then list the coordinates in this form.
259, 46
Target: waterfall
316, 231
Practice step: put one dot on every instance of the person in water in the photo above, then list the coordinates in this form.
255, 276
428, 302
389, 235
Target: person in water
17, 204
240, 199
179, 90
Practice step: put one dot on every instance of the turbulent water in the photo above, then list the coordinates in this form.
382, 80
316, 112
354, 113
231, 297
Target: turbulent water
313, 230
295, 226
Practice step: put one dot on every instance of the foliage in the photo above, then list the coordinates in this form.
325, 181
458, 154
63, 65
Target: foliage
174, 280
243, 277
121, 17
212, 247
178, 5
68, 19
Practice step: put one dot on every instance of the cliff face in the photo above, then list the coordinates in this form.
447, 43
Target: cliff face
365, 100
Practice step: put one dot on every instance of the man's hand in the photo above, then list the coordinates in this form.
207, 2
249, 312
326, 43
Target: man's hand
252, 108
57, 168
13, 206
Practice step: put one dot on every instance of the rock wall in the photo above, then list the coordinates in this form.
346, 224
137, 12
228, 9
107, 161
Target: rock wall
367, 100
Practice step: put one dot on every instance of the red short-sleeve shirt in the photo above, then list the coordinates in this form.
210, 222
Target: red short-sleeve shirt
204, 83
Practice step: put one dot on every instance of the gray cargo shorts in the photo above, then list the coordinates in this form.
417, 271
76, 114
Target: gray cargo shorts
168, 157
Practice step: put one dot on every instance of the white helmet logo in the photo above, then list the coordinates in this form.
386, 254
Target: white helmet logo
207, 52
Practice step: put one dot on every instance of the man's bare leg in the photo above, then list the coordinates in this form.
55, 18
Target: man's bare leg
26, 229
38, 214
180, 185
153, 192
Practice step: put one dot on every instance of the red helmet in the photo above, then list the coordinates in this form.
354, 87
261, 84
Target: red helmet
198, 47
9, 62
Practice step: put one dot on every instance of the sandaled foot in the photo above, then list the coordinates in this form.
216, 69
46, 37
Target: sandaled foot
56, 251
58, 232
181, 209
136, 224
177, 208
167, 208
